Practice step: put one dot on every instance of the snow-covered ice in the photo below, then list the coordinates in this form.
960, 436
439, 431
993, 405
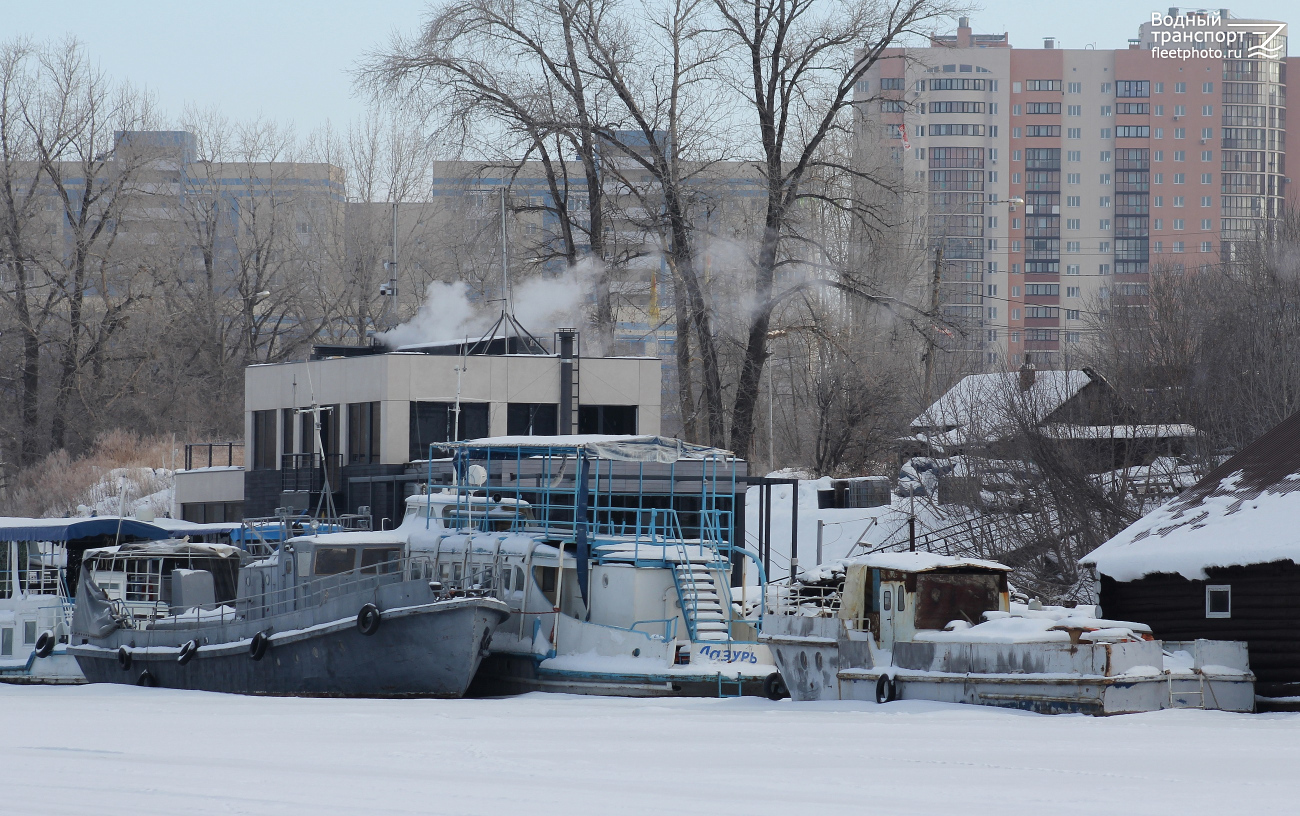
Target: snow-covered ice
127, 750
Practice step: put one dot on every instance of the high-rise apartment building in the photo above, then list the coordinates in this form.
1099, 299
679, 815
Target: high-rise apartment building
1169, 152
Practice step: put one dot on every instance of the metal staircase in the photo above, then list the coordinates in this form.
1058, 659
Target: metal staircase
702, 602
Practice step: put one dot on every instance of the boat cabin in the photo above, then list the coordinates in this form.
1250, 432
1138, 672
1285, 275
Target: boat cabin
895, 595
154, 579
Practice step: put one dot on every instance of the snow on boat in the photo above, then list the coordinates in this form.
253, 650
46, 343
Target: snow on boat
339, 614
608, 594
921, 626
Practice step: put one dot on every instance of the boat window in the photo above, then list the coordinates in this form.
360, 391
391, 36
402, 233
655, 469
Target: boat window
6, 642
901, 596
886, 598
519, 578
29, 633
333, 560
380, 560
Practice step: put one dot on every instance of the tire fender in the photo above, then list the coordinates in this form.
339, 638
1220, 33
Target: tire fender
886, 689
368, 619
188, 650
257, 647
124, 658
45, 644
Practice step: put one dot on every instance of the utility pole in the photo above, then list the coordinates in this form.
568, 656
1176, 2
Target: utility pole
930, 341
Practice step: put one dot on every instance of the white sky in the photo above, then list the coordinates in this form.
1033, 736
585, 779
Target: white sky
289, 59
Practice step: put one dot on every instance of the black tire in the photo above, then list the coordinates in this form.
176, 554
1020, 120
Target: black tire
368, 619
124, 658
774, 687
886, 689
257, 648
188, 650
146, 679
45, 644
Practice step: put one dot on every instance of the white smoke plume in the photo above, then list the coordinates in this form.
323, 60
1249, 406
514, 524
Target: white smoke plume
541, 305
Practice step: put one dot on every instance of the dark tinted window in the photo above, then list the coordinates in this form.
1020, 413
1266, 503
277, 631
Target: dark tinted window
333, 560
380, 559
607, 419
532, 419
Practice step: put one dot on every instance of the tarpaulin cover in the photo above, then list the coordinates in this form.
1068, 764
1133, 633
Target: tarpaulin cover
623, 448
93, 614
70, 529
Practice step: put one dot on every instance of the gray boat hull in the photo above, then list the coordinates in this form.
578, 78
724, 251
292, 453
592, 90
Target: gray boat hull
425, 649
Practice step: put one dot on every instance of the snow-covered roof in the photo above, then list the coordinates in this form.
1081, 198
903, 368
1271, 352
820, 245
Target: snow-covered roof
902, 562
983, 405
1242, 512
355, 537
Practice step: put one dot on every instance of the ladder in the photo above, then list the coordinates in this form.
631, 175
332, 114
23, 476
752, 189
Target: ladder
1199, 693
701, 601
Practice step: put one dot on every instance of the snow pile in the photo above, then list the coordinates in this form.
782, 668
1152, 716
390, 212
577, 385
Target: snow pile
900, 561
133, 490
1039, 624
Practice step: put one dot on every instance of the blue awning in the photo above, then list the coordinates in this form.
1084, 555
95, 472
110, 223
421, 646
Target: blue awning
70, 529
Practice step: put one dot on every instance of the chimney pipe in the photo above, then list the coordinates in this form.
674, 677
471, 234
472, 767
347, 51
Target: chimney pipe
566, 345
1027, 376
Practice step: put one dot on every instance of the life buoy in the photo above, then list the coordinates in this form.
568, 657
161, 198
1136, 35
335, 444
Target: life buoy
147, 679
368, 619
257, 648
45, 644
124, 658
188, 650
774, 687
886, 690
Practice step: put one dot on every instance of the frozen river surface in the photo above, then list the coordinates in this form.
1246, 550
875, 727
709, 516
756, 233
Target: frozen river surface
129, 751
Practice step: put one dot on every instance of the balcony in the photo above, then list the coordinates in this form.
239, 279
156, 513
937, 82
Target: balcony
213, 454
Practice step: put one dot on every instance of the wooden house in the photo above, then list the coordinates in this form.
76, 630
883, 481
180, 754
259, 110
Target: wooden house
1221, 561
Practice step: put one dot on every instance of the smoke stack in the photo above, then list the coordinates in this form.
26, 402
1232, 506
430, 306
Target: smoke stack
566, 346
1027, 376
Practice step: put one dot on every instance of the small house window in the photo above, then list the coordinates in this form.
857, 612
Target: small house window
1218, 601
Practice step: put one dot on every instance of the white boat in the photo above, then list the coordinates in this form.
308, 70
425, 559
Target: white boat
624, 604
36, 593
921, 626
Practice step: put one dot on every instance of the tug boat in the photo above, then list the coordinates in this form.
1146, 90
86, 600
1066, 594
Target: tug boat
607, 592
335, 614
922, 626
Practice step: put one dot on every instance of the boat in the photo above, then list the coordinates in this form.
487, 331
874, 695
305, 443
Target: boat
922, 626
610, 591
335, 614
36, 590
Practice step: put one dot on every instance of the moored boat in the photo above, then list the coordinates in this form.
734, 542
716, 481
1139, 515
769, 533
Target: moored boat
340, 614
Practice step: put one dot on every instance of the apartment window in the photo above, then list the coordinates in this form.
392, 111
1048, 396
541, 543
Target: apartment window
1158, 246
1104, 201
1042, 289
1043, 85
1105, 87
993, 154
1015, 291
1015, 155
1158, 201
993, 243
1015, 178
1104, 246
1071, 269
1180, 110
1015, 223
1180, 178
1180, 87
1015, 110
993, 221
1072, 223
264, 438
1178, 201
1071, 314
1072, 291
1158, 110
993, 312
1180, 155
893, 106
1205, 246
1015, 315
1104, 225
1207, 178
993, 290
1072, 201
1074, 110
1207, 87
1132, 89
993, 106
1207, 155
891, 84
1074, 133
1105, 178
1105, 155
1105, 110
1037, 131
1105, 133
1207, 110
1015, 246
1103, 269
1133, 108
1178, 246
1157, 224
920, 153
1157, 178
1132, 132
1157, 155
992, 335
1218, 601
1074, 155
1157, 133
1180, 133
993, 175
1207, 201
1015, 133
1207, 133
1071, 246
1074, 87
